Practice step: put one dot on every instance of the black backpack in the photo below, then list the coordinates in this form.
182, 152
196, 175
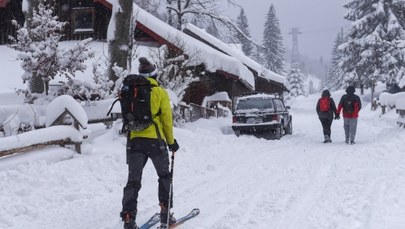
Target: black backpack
134, 98
348, 104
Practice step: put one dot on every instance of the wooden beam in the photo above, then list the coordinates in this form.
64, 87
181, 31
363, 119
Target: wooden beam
38, 146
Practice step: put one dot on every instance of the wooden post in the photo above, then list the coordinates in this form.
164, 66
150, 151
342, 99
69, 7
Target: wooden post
383, 108
77, 145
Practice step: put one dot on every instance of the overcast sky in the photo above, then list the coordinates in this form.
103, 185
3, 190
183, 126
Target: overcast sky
318, 20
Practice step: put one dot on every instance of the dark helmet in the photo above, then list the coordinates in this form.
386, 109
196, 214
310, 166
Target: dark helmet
325, 93
350, 89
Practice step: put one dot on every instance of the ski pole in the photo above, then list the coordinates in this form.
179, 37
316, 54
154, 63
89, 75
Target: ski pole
170, 190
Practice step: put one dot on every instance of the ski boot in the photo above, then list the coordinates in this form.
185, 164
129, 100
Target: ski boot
129, 220
164, 213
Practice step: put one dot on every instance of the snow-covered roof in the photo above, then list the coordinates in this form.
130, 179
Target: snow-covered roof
62, 103
230, 50
260, 95
213, 59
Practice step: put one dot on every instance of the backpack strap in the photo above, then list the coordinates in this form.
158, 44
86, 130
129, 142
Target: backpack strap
112, 105
161, 146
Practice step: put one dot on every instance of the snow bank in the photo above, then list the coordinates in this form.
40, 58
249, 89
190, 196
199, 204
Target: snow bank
40, 136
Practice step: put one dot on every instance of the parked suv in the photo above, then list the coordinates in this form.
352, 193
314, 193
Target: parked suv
261, 115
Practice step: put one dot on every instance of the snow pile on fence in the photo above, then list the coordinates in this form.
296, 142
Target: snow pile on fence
219, 96
400, 102
14, 117
39, 136
393, 100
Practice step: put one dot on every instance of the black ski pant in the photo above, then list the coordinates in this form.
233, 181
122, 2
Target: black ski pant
137, 155
326, 124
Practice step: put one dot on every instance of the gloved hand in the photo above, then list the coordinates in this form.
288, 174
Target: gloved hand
337, 117
174, 147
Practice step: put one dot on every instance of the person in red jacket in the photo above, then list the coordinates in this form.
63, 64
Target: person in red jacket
326, 110
351, 105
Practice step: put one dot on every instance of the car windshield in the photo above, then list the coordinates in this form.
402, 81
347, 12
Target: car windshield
255, 103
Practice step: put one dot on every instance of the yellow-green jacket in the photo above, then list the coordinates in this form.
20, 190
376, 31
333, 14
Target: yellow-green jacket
159, 99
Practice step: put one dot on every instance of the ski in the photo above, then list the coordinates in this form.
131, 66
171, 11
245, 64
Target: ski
185, 218
151, 222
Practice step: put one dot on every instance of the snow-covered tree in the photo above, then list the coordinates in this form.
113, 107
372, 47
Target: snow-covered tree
273, 50
175, 71
375, 46
243, 25
120, 39
41, 56
336, 79
295, 82
100, 88
258, 54
207, 12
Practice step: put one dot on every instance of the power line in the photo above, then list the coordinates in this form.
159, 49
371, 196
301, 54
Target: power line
324, 29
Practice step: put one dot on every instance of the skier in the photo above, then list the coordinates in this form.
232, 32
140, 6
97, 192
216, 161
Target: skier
150, 143
326, 110
351, 105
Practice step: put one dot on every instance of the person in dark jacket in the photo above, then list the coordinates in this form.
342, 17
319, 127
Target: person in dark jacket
150, 143
326, 110
351, 105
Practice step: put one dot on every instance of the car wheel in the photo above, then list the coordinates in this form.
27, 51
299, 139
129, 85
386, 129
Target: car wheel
237, 133
289, 129
279, 132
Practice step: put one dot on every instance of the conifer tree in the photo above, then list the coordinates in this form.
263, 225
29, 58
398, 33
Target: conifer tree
273, 50
374, 49
336, 75
295, 82
242, 23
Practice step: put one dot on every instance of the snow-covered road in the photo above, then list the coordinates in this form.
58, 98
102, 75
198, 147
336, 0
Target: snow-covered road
294, 183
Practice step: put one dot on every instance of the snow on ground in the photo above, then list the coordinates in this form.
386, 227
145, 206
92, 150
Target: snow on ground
245, 182
293, 183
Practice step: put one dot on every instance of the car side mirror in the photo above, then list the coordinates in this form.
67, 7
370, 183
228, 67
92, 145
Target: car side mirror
288, 107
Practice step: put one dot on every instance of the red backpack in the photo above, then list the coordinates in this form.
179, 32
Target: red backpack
324, 104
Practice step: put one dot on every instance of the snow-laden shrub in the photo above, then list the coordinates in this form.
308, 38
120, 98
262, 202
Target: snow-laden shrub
42, 58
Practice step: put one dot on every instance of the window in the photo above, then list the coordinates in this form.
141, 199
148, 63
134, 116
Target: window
279, 105
83, 20
255, 103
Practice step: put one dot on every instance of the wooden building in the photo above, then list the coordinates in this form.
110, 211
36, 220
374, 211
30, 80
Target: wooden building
90, 18
10, 10
266, 81
227, 74
85, 18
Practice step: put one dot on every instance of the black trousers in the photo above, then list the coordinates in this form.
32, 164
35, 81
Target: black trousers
326, 124
137, 155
